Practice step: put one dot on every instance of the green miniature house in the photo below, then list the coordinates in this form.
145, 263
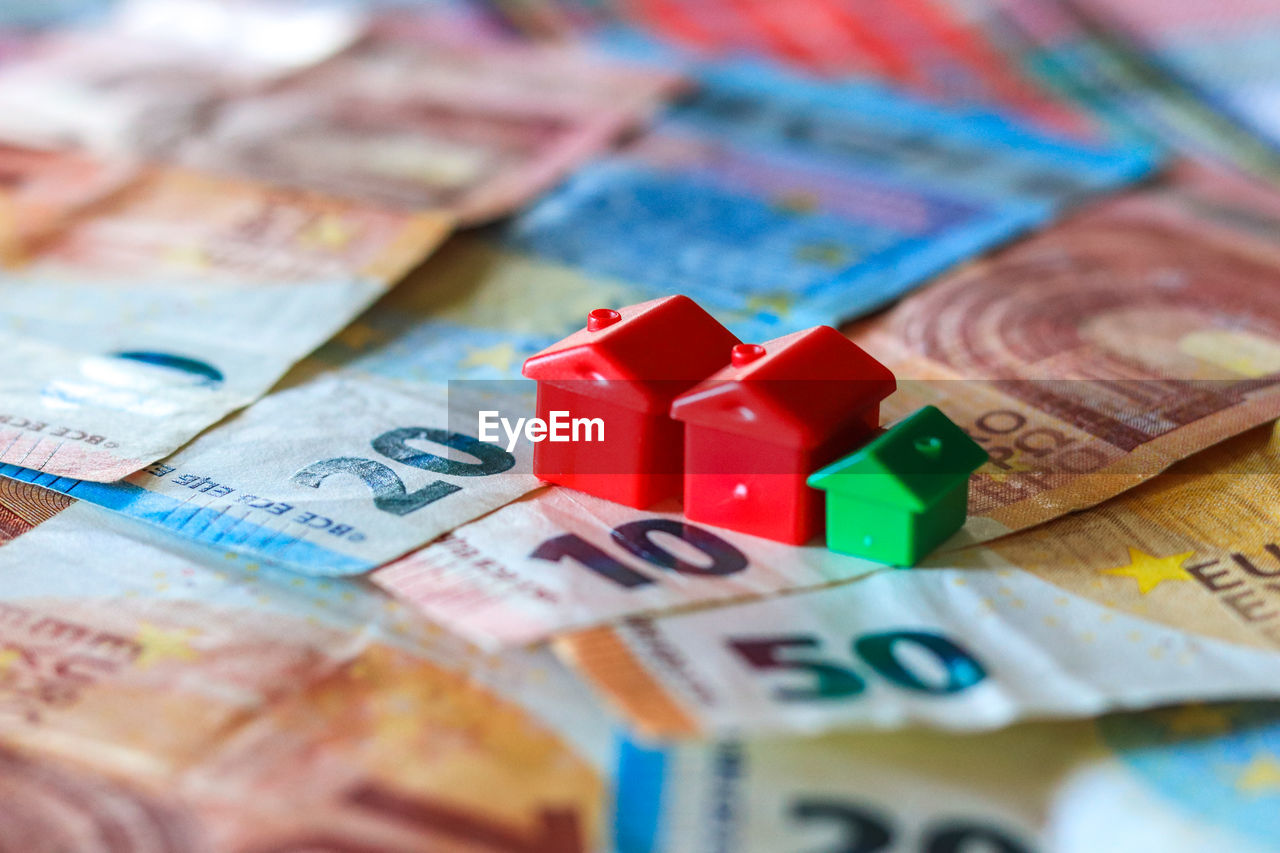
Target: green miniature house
903, 493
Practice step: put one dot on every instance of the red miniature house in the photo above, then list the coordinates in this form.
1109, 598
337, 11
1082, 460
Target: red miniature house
756, 429
625, 368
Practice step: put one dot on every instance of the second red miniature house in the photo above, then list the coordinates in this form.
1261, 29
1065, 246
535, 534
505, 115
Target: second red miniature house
779, 411
625, 368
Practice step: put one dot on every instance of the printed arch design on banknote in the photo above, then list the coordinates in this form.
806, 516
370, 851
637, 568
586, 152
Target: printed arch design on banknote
45, 807
1107, 317
23, 506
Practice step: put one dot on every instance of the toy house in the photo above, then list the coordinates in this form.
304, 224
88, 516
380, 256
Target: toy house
625, 368
904, 493
756, 429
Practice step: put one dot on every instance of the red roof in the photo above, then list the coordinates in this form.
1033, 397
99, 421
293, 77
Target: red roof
802, 386
640, 356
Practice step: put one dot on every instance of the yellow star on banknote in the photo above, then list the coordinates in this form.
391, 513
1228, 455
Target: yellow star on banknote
187, 256
1261, 776
328, 232
778, 304
8, 657
796, 202
827, 254
1151, 571
158, 644
499, 356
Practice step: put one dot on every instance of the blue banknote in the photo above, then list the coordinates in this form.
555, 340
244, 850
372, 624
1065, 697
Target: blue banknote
1200, 777
819, 201
45, 13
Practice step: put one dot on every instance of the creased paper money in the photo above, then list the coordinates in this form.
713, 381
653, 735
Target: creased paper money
412, 120
276, 713
146, 77
410, 116
140, 307
330, 475
1222, 55
956, 649
813, 202
1092, 356
1151, 598
23, 506
1186, 779
561, 559
945, 51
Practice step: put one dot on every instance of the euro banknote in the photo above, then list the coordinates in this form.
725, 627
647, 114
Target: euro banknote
411, 116
1120, 85
1155, 597
560, 559
232, 708
1034, 352
1042, 62
143, 304
938, 50
809, 202
23, 506
331, 474
33, 14
1191, 74
411, 119
55, 805
1222, 55
483, 305
472, 313
1190, 778
478, 308
142, 78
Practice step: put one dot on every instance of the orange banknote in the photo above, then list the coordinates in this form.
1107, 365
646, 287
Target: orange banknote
1092, 356
23, 506
239, 710
142, 304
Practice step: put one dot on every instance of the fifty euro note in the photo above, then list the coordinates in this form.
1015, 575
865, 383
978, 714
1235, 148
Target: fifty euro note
1155, 597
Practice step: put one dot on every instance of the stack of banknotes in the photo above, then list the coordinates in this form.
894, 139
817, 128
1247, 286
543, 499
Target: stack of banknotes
263, 589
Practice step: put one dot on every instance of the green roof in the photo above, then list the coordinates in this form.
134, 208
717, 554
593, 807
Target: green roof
908, 465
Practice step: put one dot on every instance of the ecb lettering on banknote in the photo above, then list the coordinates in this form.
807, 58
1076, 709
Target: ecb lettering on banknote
332, 475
